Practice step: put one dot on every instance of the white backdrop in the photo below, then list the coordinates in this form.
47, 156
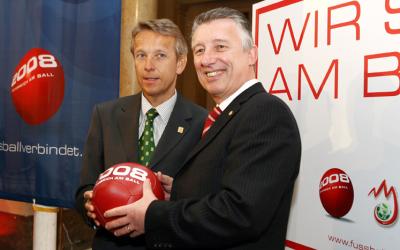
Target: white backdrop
336, 64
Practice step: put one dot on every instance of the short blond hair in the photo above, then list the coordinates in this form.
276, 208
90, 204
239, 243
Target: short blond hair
164, 27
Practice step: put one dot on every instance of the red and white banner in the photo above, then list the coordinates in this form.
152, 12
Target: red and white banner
336, 64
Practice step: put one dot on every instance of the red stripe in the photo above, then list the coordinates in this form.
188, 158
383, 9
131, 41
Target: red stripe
297, 246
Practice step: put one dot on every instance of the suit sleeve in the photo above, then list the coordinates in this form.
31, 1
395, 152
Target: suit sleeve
92, 162
258, 174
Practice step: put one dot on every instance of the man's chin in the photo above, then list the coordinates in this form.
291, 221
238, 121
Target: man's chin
151, 92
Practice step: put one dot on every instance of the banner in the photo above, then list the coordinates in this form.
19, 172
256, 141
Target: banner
336, 64
57, 59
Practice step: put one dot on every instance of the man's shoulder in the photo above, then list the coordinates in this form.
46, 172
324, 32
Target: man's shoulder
267, 105
258, 94
121, 101
265, 98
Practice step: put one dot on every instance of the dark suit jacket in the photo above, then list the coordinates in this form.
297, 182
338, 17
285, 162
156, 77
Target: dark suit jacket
235, 188
113, 138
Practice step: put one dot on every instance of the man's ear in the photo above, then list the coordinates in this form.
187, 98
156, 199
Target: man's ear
253, 55
181, 64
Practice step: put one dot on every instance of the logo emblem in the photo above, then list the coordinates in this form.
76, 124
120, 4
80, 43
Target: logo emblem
37, 87
336, 192
385, 213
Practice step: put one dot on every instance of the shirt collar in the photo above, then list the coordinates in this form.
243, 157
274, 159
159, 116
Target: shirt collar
224, 104
164, 110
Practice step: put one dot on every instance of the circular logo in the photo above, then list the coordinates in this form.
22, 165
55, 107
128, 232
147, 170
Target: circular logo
383, 211
37, 87
336, 192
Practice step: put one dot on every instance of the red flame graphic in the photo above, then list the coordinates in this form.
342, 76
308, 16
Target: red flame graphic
387, 193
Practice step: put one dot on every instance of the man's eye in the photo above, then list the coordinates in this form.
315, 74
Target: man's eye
161, 55
198, 51
139, 56
221, 47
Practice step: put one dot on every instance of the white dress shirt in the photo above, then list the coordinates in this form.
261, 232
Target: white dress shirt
164, 111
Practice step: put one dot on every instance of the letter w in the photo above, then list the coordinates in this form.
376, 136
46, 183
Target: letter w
288, 24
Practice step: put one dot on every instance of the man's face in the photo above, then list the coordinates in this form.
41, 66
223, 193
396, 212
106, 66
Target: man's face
221, 63
157, 65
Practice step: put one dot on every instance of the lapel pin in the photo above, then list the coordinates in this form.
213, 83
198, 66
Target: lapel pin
180, 130
230, 113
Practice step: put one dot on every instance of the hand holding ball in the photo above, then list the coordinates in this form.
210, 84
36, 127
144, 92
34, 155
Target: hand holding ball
120, 185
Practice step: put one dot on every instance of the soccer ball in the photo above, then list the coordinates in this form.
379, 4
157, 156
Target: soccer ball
120, 185
383, 211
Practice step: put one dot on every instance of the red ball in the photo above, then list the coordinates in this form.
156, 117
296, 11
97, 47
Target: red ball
336, 192
37, 87
120, 185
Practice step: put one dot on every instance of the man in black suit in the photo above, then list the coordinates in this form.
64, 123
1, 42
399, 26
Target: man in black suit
235, 188
160, 55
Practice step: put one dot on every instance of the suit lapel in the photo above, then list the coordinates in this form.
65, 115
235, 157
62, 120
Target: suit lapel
175, 130
128, 123
225, 117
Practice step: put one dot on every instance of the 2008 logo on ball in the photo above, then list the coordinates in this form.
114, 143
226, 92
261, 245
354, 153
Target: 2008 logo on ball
336, 192
37, 86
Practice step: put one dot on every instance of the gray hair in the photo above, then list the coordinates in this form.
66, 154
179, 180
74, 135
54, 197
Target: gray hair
164, 27
227, 13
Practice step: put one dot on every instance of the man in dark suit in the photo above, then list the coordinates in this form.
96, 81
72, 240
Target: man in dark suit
235, 188
160, 54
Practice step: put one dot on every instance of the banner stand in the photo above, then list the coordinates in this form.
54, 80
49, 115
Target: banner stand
44, 227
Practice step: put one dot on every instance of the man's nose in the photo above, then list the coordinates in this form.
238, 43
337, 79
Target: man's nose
208, 58
148, 64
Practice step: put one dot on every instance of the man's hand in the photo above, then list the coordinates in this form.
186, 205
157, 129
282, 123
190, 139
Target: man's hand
88, 195
131, 217
166, 182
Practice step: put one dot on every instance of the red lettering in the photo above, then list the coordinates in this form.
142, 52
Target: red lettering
288, 24
280, 91
368, 74
343, 24
302, 69
391, 10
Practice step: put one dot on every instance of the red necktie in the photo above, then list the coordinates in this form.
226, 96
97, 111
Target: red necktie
211, 118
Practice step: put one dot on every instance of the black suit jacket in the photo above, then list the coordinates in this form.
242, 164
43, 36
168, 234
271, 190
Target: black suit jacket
113, 138
235, 188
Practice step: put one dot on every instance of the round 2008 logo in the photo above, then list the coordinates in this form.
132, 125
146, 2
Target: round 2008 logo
336, 192
37, 87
